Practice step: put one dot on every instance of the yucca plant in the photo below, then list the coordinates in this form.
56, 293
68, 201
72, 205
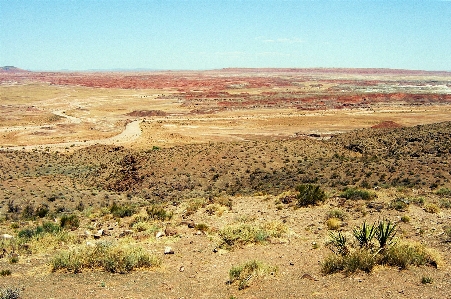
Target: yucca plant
364, 234
385, 233
339, 243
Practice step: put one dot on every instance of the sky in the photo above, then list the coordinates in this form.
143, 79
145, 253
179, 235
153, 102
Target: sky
212, 34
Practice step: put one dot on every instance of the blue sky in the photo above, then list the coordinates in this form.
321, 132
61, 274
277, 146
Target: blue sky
211, 34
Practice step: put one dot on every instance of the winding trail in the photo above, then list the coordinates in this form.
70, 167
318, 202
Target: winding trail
131, 132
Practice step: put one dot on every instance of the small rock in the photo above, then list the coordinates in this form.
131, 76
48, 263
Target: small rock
7, 237
168, 250
198, 233
90, 244
159, 234
170, 231
308, 276
98, 234
182, 269
215, 249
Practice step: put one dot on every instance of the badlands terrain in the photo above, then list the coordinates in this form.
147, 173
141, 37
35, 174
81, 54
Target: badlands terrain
192, 184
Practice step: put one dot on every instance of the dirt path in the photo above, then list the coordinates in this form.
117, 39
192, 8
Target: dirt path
131, 132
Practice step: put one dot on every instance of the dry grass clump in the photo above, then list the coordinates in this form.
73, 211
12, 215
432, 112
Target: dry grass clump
243, 234
432, 208
245, 273
333, 223
106, 256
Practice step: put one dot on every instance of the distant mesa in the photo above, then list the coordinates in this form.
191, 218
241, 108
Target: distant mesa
11, 69
386, 125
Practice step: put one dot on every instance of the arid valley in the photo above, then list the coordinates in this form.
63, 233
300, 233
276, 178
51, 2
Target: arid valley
229, 183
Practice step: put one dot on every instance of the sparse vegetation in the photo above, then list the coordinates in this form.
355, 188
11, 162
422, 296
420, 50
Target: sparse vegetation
105, 256
356, 194
245, 273
309, 195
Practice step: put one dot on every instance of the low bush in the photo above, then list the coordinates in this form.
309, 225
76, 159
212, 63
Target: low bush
356, 194
336, 213
309, 195
158, 213
399, 204
5, 272
71, 221
121, 211
243, 274
444, 192
432, 208
409, 254
106, 256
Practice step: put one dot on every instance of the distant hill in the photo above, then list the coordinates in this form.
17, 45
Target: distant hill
11, 69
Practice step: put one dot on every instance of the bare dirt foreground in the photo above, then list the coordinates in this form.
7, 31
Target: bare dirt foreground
164, 184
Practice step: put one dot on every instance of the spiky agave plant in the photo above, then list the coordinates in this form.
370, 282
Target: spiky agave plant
385, 233
364, 234
339, 243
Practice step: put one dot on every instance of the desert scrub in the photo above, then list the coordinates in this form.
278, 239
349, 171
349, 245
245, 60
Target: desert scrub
356, 194
432, 208
443, 192
243, 234
361, 259
194, 205
71, 221
410, 254
336, 213
5, 272
245, 273
309, 195
105, 256
121, 211
399, 204
156, 212
348, 259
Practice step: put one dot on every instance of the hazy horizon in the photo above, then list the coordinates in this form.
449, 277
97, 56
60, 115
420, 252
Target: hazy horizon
206, 35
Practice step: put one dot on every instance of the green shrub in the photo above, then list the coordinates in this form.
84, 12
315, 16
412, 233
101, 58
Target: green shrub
243, 274
5, 272
122, 211
45, 228
356, 194
158, 213
405, 218
105, 256
309, 195
426, 280
399, 204
444, 192
70, 221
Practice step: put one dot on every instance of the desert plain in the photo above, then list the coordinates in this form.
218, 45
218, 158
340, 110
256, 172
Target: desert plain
200, 174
